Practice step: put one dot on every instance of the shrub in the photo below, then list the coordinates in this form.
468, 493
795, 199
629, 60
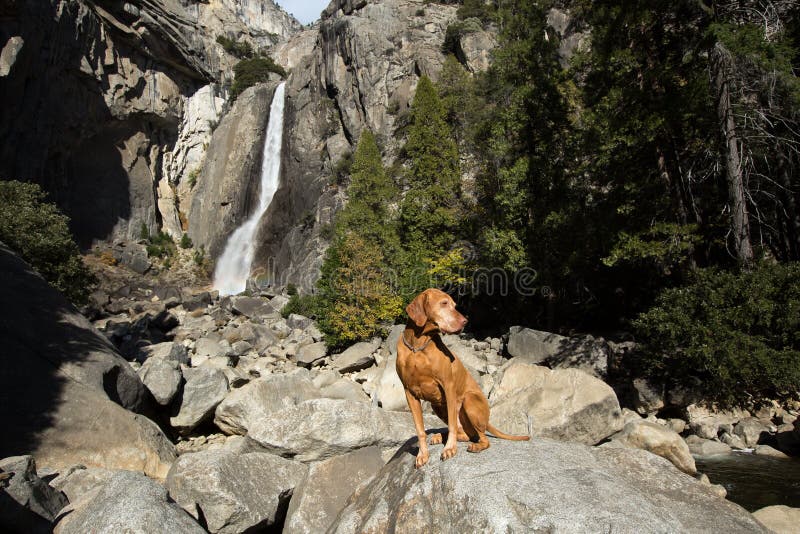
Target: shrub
161, 245
186, 241
306, 305
193, 174
39, 233
739, 333
249, 72
240, 49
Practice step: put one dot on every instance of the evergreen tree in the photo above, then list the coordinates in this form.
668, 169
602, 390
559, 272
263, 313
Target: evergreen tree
356, 297
430, 211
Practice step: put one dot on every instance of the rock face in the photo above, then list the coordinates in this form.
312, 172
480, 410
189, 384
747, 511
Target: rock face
134, 105
565, 404
233, 492
539, 486
227, 186
128, 502
71, 379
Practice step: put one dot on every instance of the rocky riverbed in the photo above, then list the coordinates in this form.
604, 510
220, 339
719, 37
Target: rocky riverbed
163, 408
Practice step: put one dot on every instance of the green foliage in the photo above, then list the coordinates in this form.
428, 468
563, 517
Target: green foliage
144, 232
39, 233
249, 72
419, 13
739, 333
341, 170
161, 245
291, 290
186, 241
431, 209
356, 299
193, 175
305, 305
240, 49
477, 9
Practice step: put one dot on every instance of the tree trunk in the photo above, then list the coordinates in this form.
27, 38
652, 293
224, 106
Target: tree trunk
740, 219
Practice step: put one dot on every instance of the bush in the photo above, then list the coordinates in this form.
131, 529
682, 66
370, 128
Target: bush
739, 333
39, 233
161, 245
306, 305
186, 241
249, 72
240, 49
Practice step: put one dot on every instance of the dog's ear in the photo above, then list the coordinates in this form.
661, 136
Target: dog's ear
416, 310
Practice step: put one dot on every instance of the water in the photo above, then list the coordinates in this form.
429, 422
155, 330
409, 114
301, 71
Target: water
233, 266
754, 481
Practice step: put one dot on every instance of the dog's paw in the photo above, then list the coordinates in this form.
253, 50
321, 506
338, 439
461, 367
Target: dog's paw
449, 452
422, 458
436, 439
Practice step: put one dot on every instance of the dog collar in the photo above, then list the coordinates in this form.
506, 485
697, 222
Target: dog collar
412, 348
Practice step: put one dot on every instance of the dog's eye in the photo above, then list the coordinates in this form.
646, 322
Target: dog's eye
444, 303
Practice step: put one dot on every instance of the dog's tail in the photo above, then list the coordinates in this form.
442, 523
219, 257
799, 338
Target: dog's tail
503, 435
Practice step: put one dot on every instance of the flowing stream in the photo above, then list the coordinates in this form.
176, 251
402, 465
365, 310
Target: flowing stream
233, 266
754, 481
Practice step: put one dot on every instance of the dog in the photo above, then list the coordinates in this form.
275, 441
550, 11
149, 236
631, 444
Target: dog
430, 371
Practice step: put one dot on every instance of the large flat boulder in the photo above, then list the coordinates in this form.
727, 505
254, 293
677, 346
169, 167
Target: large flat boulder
320, 428
659, 440
564, 404
539, 486
64, 389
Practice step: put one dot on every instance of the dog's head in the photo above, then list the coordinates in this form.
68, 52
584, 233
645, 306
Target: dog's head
435, 306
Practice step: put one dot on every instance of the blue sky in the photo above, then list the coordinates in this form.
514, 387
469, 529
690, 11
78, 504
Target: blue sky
304, 10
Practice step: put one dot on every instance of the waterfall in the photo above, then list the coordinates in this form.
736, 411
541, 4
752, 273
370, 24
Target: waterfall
233, 267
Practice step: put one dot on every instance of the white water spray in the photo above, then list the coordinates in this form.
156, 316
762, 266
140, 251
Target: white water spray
233, 267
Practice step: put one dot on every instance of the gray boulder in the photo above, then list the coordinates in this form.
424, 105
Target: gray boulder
356, 357
21, 483
205, 388
539, 486
298, 321
649, 397
751, 429
233, 491
321, 428
127, 502
207, 348
251, 307
307, 355
167, 351
659, 440
324, 491
388, 389
564, 404
344, 389
706, 447
258, 399
162, 377
534, 346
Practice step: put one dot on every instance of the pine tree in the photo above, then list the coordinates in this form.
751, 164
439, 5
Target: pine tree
356, 296
430, 212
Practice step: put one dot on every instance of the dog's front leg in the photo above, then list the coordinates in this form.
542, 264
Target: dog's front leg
453, 407
419, 425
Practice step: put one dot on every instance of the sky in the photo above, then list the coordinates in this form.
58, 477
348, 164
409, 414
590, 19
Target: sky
305, 11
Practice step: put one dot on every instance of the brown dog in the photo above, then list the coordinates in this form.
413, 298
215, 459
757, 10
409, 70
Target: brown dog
429, 371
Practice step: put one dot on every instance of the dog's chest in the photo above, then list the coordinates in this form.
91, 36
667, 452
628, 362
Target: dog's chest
417, 376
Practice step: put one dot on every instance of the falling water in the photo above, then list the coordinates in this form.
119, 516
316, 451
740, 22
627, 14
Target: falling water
233, 267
